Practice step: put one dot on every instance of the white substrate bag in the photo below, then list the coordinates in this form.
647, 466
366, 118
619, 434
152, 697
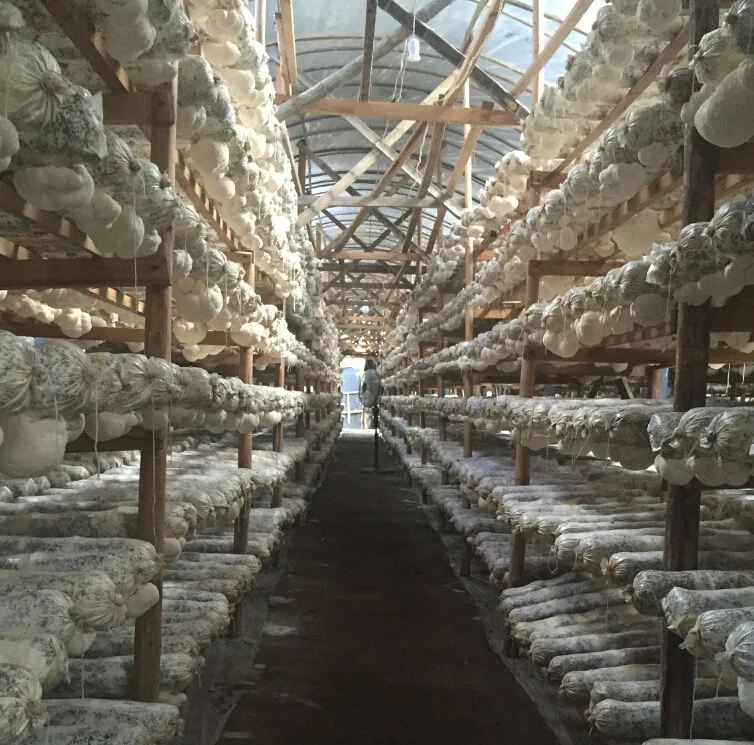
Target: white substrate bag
545, 649
120, 642
621, 567
97, 605
650, 587
110, 677
161, 720
577, 604
32, 445
21, 709
649, 690
16, 374
560, 666
47, 610
40, 652
85, 734
708, 636
576, 686
682, 607
738, 656
630, 720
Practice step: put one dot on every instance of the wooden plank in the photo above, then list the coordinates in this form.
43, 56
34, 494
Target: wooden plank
89, 43
335, 283
569, 22
366, 69
39, 274
692, 339
409, 111
356, 268
571, 268
671, 51
481, 249
368, 319
393, 202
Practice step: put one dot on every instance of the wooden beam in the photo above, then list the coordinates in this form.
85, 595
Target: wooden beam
333, 266
288, 37
88, 43
40, 274
141, 108
397, 256
366, 70
569, 22
392, 202
671, 51
570, 268
369, 319
408, 111
482, 79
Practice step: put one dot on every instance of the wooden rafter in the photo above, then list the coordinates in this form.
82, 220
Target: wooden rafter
389, 224
556, 40
483, 80
393, 202
287, 36
408, 111
352, 69
366, 70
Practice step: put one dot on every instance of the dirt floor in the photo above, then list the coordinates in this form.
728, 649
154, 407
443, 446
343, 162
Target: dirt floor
370, 637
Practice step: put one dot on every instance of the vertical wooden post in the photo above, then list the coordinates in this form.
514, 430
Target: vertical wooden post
537, 32
692, 357
277, 431
241, 527
468, 426
153, 466
302, 165
523, 473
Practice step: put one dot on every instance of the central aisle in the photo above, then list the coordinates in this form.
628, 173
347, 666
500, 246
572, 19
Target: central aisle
371, 638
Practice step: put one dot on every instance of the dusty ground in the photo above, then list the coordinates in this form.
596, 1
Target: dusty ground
370, 638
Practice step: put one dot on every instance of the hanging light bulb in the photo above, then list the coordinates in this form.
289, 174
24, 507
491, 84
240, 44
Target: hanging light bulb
414, 48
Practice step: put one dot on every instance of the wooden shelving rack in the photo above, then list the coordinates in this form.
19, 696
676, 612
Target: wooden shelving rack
709, 176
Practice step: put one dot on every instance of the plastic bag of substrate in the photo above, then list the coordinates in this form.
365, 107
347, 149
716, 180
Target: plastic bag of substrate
713, 718
86, 734
161, 720
621, 567
110, 677
738, 656
21, 709
40, 652
650, 587
543, 649
48, 610
561, 666
650, 690
708, 635
96, 602
575, 604
682, 607
120, 642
